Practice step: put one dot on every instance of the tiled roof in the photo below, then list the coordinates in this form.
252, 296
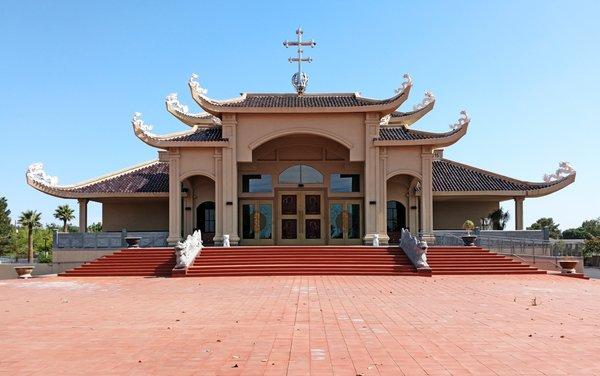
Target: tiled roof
306, 100
202, 134
449, 176
150, 178
403, 133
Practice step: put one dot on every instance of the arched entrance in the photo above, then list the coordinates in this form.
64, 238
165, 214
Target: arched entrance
402, 191
301, 189
396, 220
206, 221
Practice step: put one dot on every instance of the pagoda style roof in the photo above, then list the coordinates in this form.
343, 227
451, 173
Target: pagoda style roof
449, 178
147, 179
394, 136
209, 137
411, 117
183, 113
454, 177
295, 103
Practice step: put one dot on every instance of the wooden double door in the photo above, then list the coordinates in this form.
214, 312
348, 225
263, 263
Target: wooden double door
301, 217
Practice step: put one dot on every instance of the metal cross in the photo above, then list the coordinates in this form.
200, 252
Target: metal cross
300, 79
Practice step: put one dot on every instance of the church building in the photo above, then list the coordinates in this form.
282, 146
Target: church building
298, 169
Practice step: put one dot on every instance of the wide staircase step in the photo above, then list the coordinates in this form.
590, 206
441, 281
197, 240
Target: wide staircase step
474, 260
309, 260
142, 262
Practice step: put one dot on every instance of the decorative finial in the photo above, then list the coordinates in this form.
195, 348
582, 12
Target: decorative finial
300, 79
464, 119
407, 82
385, 120
429, 97
195, 85
138, 122
174, 101
36, 172
564, 169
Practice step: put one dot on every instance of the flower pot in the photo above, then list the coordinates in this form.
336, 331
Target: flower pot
469, 240
568, 266
24, 271
133, 241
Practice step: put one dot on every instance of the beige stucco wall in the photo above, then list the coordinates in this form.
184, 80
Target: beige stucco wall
138, 215
255, 129
450, 215
197, 161
403, 160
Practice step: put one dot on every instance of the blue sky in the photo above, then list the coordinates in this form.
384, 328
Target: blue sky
72, 74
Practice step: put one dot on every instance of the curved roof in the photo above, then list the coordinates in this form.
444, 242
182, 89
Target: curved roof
405, 134
451, 176
147, 179
152, 178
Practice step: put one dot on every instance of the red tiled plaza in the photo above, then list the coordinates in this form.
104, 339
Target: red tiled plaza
299, 325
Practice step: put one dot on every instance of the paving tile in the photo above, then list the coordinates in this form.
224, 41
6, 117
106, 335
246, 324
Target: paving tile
300, 325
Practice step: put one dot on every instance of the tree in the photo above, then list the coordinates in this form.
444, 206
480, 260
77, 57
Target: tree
95, 227
30, 219
499, 219
575, 233
5, 226
592, 227
65, 214
546, 222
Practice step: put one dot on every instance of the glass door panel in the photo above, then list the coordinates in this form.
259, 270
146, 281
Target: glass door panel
256, 221
266, 221
345, 222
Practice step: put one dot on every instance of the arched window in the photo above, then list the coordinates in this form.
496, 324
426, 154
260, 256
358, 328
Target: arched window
300, 174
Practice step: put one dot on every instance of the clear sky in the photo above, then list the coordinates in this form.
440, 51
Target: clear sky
73, 72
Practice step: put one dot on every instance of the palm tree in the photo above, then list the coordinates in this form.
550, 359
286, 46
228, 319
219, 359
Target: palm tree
499, 219
65, 214
31, 220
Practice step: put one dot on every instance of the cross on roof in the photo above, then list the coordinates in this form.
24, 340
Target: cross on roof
300, 79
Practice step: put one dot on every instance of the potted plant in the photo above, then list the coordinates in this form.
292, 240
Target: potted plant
24, 271
133, 241
469, 240
568, 265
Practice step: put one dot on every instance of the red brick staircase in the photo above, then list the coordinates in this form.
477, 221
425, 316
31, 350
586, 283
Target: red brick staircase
474, 260
129, 262
304, 260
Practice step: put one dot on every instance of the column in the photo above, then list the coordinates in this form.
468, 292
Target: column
427, 194
229, 177
381, 207
374, 205
219, 203
413, 205
83, 205
174, 198
519, 213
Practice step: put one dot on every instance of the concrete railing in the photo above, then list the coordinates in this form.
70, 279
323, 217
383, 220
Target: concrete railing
505, 234
108, 240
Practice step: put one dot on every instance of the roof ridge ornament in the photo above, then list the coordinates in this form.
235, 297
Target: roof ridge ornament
406, 84
138, 123
300, 79
564, 169
429, 97
174, 101
195, 85
462, 121
36, 173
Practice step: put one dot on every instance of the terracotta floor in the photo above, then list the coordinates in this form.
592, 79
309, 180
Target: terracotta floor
476, 325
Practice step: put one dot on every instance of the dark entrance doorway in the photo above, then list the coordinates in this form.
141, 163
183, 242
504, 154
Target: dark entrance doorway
396, 220
205, 221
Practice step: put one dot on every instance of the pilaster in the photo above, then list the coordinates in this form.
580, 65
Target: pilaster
427, 194
229, 177
174, 198
374, 192
219, 202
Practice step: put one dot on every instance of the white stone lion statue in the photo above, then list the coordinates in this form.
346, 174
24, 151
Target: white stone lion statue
187, 251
